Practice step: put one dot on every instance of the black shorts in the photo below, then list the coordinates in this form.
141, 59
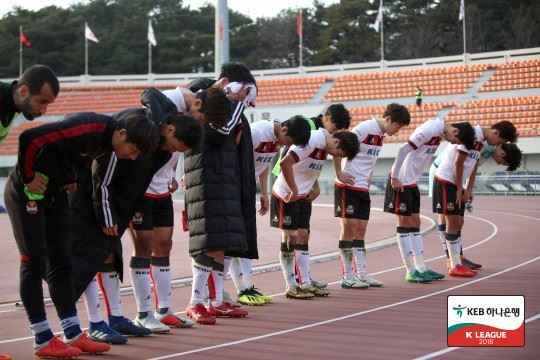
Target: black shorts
153, 212
289, 216
403, 203
351, 204
444, 198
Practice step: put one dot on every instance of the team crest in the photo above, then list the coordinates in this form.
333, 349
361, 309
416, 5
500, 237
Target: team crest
402, 207
286, 220
350, 209
438, 206
31, 208
137, 218
450, 206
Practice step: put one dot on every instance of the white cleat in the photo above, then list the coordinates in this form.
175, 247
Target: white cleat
151, 323
369, 280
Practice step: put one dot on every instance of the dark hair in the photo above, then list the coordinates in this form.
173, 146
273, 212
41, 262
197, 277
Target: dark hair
398, 114
348, 142
140, 131
507, 130
298, 129
237, 72
513, 156
188, 130
466, 134
215, 105
38, 75
339, 115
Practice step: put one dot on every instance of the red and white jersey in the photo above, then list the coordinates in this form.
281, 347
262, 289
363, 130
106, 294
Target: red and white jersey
265, 144
177, 98
159, 186
370, 137
310, 160
424, 140
445, 171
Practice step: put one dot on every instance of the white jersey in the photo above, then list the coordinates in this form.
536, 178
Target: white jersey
310, 160
424, 140
445, 171
265, 144
159, 186
370, 137
177, 98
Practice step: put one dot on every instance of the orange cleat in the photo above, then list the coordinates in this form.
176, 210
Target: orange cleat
462, 271
200, 314
172, 320
225, 310
88, 346
56, 349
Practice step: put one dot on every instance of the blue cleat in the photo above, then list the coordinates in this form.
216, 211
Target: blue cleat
417, 277
433, 275
103, 333
125, 327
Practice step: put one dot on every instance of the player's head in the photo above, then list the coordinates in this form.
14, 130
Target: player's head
336, 117
502, 132
343, 144
135, 134
236, 72
508, 154
211, 106
295, 130
395, 117
461, 133
181, 133
37, 88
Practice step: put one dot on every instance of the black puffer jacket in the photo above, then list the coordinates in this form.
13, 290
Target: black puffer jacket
220, 195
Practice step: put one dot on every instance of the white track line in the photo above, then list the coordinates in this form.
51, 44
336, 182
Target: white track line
450, 349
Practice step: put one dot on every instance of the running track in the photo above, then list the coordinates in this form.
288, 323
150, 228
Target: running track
398, 321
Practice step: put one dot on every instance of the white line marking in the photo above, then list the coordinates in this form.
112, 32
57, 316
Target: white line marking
450, 349
329, 321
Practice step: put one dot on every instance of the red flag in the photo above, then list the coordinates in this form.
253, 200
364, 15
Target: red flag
299, 24
24, 40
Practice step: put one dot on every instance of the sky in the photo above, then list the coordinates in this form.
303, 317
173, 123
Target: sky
253, 9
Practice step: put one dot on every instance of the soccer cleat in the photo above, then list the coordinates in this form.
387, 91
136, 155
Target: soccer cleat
247, 297
319, 284
56, 349
433, 275
125, 327
228, 299
369, 280
151, 323
470, 264
266, 298
353, 283
315, 290
226, 310
298, 293
200, 314
416, 277
172, 320
88, 346
462, 271
102, 332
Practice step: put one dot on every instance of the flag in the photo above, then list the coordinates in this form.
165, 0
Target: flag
299, 24
378, 19
88, 34
23, 39
151, 37
461, 10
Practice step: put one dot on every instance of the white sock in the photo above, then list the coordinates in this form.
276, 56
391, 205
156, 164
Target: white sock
360, 257
237, 274
199, 286
140, 278
91, 301
418, 250
454, 247
226, 264
302, 263
347, 255
161, 276
405, 248
110, 288
247, 271
286, 259
219, 279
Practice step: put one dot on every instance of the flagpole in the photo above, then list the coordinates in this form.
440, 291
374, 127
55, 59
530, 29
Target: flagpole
85, 50
464, 37
301, 35
149, 58
20, 51
382, 35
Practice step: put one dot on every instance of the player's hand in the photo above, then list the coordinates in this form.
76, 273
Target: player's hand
110, 231
313, 194
264, 204
345, 178
38, 184
396, 184
173, 186
459, 198
291, 196
467, 196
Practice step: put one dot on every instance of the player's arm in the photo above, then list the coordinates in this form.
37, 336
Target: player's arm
341, 175
288, 175
314, 192
398, 162
461, 156
467, 196
103, 171
263, 184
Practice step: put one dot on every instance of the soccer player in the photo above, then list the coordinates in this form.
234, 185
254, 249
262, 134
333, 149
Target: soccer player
403, 197
351, 196
449, 193
294, 190
50, 157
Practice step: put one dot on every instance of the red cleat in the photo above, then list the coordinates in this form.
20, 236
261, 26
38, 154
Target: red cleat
462, 271
89, 346
56, 349
226, 309
172, 320
200, 314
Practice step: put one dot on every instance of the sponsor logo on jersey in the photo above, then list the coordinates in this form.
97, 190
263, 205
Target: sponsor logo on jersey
438, 206
267, 147
32, 208
318, 154
390, 206
338, 209
376, 140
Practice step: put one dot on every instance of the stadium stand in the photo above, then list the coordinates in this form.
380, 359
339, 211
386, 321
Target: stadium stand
11, 143
514, 75
289, 91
